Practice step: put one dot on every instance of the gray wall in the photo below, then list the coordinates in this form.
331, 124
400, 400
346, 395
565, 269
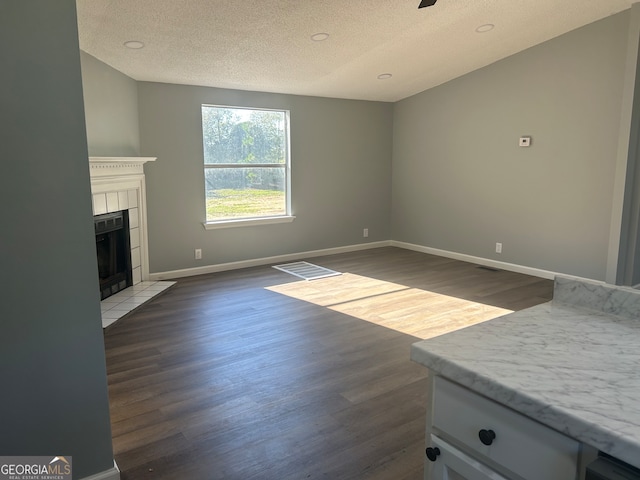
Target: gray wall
341, 165
461, 183
52, 365
111, 106
627, 187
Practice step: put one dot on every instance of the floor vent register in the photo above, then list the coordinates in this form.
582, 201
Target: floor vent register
307, 271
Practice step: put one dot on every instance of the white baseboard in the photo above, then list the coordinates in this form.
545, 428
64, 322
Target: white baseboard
111, 474
221, 267
512, 267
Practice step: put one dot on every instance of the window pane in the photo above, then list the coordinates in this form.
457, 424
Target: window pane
240, 135
244, 192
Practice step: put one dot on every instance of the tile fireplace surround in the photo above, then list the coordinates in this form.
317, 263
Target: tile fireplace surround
117, 183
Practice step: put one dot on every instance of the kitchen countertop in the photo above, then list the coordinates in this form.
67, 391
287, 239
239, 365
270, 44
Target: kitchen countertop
572, 364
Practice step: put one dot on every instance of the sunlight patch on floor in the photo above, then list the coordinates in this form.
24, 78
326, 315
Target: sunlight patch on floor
408, 310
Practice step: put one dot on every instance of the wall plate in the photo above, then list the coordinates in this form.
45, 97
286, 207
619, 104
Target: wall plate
525, 141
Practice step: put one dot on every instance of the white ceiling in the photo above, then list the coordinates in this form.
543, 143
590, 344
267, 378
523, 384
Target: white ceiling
265, 45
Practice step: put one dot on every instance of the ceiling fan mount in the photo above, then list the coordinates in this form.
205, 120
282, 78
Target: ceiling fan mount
427, 3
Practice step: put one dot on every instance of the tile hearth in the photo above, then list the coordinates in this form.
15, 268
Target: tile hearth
117, 306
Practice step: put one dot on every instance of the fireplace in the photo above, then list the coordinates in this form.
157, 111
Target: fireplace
118, 185
113, 249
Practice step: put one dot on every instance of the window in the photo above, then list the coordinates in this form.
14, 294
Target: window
246, 164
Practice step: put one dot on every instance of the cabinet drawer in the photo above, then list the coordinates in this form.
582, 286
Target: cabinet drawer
452, 464
521, 445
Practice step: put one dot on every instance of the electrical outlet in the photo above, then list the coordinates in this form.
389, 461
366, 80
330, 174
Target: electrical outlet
198, 254
525, 141
365, 232
498, 247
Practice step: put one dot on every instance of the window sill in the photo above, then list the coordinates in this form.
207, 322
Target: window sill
249, 222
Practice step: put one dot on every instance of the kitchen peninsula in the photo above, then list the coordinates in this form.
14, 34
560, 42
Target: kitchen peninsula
572, 364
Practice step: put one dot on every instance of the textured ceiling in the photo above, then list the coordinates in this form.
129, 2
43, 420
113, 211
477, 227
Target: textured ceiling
265, 45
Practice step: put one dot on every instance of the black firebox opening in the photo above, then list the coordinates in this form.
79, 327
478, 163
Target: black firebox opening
114, 252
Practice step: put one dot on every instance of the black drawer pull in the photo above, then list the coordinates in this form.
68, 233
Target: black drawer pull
432, 453
487, 436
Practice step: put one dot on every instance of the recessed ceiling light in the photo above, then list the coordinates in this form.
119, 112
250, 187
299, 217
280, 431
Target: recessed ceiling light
134, 44
319, 37
384, 76
485, 28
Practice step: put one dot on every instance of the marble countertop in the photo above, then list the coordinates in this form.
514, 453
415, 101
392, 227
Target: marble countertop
572, 364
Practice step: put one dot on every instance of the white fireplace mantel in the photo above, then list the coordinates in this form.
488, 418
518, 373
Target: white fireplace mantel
117, 166
118, 183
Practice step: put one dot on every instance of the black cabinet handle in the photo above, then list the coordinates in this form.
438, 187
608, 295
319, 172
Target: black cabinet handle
432, 453
487, 436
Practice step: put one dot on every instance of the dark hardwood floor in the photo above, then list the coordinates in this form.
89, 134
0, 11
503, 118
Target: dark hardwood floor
254, 374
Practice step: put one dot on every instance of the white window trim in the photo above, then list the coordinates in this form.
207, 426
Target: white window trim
248, 222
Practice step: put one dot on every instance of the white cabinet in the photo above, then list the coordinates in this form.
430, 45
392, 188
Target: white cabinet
452, 464
485, 433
